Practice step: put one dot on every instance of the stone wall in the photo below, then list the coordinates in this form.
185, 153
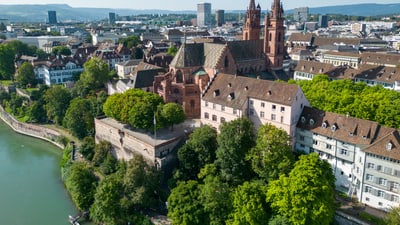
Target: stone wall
31, 129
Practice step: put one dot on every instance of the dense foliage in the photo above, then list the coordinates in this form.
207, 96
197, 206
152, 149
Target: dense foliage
306, 195
249, 180
142, 109
26, 75
356, 99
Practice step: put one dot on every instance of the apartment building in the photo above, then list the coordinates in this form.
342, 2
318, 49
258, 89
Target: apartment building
363, 155
228, 97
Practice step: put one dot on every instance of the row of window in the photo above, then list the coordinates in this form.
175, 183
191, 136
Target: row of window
214, 118
382, 194
383, 158
273, 107
222, 107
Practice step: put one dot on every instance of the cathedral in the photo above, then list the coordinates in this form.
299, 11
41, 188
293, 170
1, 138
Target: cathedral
195, 65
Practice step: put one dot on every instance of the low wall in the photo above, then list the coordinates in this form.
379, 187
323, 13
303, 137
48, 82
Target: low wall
31, 129
344, 219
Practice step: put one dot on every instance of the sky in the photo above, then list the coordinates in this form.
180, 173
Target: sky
191, 4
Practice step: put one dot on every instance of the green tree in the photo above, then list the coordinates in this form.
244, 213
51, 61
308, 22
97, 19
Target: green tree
278, 220
172, 50
172, 113
57, 100
20, 48
81, 184
234, 142
61, 50
130, 42
100, 152
393, 217
184, 205
215, 196
7, 56
87, 147
306, 195
79, 118
272, 156
141, 185
106, 208
26, 75
249, 204
37, 113
197, 152
95, 74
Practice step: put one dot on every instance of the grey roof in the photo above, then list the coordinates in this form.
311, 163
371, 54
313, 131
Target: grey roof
244, 50
189, 55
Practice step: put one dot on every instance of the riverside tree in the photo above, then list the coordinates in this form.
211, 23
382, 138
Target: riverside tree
57, 100
79, 118
26, 75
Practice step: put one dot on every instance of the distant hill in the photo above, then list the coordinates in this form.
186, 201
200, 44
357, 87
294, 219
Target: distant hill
357, 9
38, 13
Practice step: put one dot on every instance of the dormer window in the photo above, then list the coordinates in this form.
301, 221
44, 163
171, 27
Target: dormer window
216, 93
389, 146
231, 96
229, 85
334, 127
324, 124
303, 119
312, 122
351, 134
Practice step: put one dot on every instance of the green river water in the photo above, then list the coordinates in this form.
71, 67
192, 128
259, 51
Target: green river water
31, 191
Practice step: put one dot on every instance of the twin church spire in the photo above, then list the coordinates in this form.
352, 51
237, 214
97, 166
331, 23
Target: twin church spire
274, 32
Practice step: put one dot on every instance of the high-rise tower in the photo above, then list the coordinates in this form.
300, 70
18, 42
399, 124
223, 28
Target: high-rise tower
204, 14
274, 46
251, 27
52, 17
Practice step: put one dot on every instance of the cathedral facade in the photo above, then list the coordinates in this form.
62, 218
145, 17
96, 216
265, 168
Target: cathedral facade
195, 65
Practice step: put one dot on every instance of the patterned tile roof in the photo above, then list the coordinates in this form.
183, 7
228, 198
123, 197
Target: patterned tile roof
233, 91
341, 127
388, 146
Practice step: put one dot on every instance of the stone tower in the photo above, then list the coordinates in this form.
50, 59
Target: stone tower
274, 46
251, 27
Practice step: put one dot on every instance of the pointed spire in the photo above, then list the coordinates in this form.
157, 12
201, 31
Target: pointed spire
252, 5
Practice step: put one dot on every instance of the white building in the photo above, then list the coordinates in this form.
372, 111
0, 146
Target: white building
363, 155
58, 70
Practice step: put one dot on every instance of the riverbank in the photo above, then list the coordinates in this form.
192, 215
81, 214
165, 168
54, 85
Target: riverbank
31, 130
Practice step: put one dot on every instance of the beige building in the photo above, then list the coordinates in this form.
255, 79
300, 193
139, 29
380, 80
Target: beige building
228, 97
341, 59
159, 150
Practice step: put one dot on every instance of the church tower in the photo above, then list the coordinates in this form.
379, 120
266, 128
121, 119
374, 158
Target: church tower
251, 27
274, 46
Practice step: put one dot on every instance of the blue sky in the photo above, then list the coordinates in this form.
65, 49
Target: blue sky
190, 4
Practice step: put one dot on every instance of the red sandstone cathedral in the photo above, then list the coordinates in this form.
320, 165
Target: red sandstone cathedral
196, 64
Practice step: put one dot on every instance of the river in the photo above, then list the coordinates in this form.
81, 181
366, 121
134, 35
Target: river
31, 191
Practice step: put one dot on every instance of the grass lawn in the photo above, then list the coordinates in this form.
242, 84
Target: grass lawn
372, 219
6, 82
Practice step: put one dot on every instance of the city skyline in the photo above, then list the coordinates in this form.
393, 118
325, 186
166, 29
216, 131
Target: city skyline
191, 4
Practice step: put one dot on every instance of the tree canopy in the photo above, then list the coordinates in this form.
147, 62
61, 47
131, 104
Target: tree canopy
272, 156
7, 56
184, 205
306, 195
96, 73
81, 183
57, 100
356, 99
249, 204
26, 75
234, 142
198, 151
139, 108
61, 50
79, 118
